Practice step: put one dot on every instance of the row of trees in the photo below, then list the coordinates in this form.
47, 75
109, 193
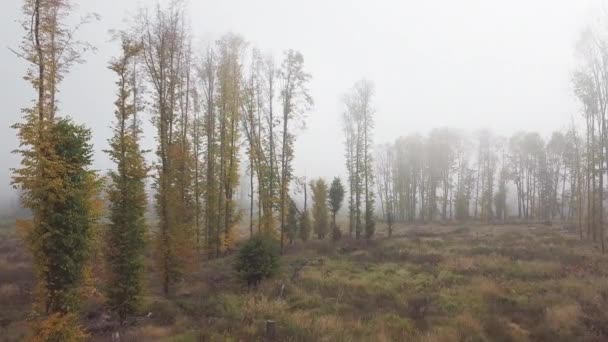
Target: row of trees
590, 82
327, 202
449, 175
205, 106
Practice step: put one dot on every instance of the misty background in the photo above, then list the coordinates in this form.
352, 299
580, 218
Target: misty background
471, 64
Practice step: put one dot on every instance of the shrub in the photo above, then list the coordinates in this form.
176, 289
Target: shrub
58, 328
257, 259
336, 234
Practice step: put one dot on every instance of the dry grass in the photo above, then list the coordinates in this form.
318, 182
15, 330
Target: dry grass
563, 318
427, 283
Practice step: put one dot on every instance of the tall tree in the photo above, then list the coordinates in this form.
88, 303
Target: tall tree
385, 160
590, 81
349, 132
295, 101
336, 197
54, 177
165, 48
207, 75
228, 102
320, 213
126, 194
358, 122
304, 219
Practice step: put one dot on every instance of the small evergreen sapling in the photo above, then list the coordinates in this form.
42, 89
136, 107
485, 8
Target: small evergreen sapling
257, 259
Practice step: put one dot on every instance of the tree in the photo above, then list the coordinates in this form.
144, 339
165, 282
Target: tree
486, 166
207, 77
295, 100
257, 259
54, 177
409, 167
385, 168
352, 179
336, 197
229, 92
319, 208
126, 194
270, 198
197, 134
304, 228
251, 120
358, 123
60, 237
166, 57
500, 198
590, 81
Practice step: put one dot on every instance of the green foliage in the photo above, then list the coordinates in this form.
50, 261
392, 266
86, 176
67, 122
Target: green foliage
168, 68
336, 197
257, 259
126, 195
319, 208
61, 197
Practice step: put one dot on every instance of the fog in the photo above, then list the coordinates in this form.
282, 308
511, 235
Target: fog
501, 65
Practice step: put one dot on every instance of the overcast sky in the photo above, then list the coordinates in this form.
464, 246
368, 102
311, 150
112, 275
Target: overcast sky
502, 65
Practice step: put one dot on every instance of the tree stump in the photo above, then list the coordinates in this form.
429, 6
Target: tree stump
271, 330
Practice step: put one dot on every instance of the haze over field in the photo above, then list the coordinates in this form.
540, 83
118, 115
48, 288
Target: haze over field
304, 170
469, 64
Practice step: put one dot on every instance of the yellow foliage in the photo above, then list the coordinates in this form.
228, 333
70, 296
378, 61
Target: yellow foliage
59, 328
24, 228
230, 239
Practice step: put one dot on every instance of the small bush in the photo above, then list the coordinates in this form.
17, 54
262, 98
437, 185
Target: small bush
59, 328
336, 233
257, 259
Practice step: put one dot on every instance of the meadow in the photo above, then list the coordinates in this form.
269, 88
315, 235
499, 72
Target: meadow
427, 283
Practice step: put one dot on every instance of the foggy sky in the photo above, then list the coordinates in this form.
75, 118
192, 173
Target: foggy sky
502, 65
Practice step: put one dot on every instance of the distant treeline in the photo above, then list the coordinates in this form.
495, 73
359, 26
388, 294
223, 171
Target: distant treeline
449, 175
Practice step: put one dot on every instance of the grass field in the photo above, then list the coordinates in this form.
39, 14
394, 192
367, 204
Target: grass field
427, 283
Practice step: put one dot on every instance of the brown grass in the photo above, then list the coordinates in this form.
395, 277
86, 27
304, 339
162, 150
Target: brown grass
427, 283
